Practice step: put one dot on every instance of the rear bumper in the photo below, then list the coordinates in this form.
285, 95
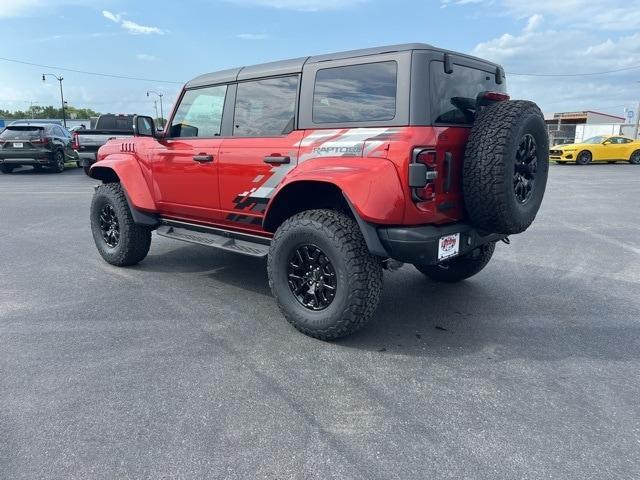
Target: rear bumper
420, 244
26, 157
86, 159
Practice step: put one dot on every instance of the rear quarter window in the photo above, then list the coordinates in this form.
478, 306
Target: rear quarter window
355, 93
453, 95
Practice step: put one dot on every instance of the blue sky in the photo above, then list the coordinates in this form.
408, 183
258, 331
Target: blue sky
175, 41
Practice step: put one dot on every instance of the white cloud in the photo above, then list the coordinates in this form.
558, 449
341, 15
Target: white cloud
132, 28
534, 22
566, 51
111, 16
136, 29
252, 36
301, 5
146, 57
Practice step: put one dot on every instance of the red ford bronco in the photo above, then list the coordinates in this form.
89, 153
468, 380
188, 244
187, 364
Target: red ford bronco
333, 167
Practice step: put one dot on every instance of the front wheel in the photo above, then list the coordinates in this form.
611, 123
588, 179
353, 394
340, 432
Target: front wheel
460, 268
4, 168
120, 240
584, 157
635, 158
322, 275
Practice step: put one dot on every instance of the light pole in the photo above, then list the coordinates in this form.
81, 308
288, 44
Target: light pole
64, 116
161, 113
31, 104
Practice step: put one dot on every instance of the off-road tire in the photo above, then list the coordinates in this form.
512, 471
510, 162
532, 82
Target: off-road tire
634, 159
491, 166
460, 268
134, 241
358, 272
57, 161
584, 157
4, 168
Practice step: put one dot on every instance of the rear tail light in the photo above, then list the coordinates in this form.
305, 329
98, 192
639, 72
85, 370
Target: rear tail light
487, 98
422, 174
75, 142
40, 141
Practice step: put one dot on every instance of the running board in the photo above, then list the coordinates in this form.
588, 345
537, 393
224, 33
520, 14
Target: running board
222, 240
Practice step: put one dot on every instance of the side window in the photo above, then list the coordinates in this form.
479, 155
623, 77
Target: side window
57, 131
265, 108
356, 93
199, 113
625, 140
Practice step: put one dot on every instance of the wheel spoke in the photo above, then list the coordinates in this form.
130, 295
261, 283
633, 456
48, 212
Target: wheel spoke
311, 277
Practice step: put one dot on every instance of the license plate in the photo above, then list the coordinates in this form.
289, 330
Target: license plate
18, 145
448, 246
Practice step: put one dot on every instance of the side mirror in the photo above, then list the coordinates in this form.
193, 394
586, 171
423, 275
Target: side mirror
143, 126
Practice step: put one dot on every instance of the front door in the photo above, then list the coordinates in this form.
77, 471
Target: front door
263, 148
185, 162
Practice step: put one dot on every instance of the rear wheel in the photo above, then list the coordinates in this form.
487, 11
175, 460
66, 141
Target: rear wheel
322, 275
4, 168
635, 158
584, 157
57, 161
461, 267
119, 239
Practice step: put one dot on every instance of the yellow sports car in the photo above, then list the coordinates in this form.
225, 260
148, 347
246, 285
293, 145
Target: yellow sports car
603, 148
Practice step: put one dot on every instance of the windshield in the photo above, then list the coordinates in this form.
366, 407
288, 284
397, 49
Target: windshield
21, 133
598, 139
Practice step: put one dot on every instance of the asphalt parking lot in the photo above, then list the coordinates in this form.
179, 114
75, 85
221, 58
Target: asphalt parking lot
182, 367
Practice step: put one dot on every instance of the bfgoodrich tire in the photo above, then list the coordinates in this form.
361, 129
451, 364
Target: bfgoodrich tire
119, 239
322, 275
505, 166
461, 267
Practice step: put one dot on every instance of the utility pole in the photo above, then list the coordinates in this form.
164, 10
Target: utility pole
64, 116
31, 108
161, 113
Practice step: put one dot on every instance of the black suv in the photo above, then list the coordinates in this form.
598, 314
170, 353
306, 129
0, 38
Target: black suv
37, 145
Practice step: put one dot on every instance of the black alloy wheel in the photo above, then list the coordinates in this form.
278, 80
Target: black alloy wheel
584, 157
311, 277
524, 175
109, 226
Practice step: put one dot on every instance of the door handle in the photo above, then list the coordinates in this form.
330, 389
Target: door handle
276, 159
202, 158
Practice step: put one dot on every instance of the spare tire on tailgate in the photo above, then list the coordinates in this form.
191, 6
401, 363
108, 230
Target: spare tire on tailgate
505, 166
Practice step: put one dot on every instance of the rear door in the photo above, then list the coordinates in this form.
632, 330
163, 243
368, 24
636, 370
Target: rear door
262, 149
185, 162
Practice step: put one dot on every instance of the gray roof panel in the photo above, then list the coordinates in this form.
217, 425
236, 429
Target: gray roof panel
295, 65
223, 76
369, 51
282, 67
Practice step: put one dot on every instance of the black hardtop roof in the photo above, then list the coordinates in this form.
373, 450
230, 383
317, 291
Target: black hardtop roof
294, 65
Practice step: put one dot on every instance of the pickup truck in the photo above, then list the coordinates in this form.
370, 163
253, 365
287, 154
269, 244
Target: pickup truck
87, 142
